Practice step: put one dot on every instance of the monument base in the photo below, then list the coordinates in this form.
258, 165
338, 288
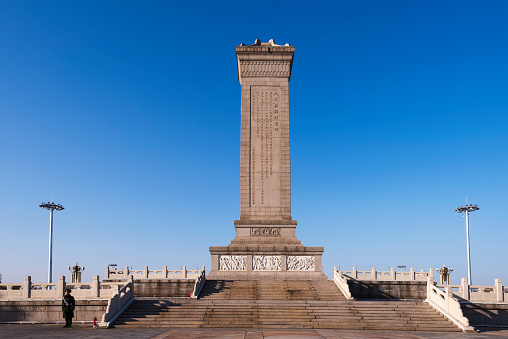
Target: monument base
266, 258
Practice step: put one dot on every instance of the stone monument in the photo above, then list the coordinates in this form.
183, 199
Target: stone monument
265, 245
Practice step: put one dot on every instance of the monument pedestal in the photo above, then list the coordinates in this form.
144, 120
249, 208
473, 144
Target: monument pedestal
266, 252
265, 246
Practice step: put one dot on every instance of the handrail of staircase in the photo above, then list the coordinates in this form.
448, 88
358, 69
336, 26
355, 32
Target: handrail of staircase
198, 285
446, 304
118, 303
341, 282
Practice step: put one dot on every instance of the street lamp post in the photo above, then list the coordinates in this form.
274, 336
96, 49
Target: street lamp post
467, 209
51, 206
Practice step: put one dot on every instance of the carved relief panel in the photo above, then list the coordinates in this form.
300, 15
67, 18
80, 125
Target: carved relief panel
232, 263
300, 263
265, 232
266, 263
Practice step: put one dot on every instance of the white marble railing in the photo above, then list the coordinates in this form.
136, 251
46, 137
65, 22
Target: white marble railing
120, 294
391, 275
341, 282
120, 300
152, 274
198, 285
446, 304
46, 291
496, 293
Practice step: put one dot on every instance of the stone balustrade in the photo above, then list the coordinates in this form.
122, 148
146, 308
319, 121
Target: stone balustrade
391, 275
121, 298
198, 285
40, 302
447, 304
341, 282
476, 293
46, 291
113, 273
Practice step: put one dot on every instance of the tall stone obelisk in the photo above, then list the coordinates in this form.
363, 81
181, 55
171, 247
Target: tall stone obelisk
265, 245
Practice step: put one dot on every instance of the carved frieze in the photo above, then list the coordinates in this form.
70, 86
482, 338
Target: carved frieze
266, 262
232, 262
265, 232
300, 263
265, 68
12, 308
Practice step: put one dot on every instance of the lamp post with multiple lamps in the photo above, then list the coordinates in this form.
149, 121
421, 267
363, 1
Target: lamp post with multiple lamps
51, 206
467, 209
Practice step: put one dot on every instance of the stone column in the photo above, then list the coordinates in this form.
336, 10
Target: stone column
498, 286
27, 287
465, 288
264, 71
61, 285
96, 287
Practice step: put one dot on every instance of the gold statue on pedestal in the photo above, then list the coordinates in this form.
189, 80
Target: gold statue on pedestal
445, 274
76, 273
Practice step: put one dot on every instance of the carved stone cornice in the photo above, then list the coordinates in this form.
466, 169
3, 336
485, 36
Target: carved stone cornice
264, 60
274, 69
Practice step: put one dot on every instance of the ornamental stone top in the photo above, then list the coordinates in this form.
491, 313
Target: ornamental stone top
269, 43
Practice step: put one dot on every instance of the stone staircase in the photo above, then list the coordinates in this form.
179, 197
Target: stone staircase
282, 304
271, 290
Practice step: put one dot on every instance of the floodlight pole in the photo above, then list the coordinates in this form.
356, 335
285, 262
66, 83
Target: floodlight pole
468, 209
51, 207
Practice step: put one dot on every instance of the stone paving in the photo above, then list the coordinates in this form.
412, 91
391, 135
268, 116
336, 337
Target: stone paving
86, 331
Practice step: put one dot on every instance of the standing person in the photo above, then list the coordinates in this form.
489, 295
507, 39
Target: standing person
68, 305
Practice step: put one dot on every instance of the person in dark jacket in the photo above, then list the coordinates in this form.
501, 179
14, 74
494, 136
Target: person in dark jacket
68, 305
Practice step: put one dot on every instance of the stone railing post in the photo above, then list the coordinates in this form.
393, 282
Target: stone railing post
106, 274
203, 268
27, 287
393, 275
96, 287
465, 288
165, 272
145, 272
118, 299
498, 286
61, 286
184, 272
355, 273
412, 274
431, 274
373, 273
449, 295
126, 272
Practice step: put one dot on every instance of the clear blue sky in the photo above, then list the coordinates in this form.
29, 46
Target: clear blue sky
128, 112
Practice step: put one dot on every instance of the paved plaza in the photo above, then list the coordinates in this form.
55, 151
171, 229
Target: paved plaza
86, 331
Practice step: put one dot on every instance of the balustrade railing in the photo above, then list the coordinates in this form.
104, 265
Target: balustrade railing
477, 293
341, 282
198, 285
184, 273
391, 275
121, 298
53, 291
444, 302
